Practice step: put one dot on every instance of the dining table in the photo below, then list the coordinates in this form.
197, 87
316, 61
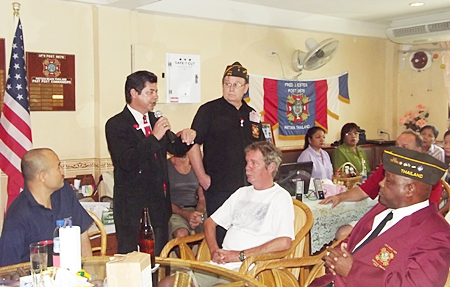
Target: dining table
95, 266
327, 220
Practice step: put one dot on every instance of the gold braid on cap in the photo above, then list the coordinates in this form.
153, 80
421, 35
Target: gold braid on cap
415, 160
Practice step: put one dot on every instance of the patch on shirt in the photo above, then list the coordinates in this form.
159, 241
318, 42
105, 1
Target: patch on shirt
384, 257
255, 131
249, 215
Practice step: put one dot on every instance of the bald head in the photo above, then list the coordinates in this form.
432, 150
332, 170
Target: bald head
409, 140
34, 162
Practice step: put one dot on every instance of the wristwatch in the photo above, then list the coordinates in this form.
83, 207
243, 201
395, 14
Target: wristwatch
242, 255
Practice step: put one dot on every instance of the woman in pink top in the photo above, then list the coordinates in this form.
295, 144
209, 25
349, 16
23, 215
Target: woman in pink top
314, 141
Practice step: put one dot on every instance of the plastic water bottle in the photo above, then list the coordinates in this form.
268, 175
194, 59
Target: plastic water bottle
59, 224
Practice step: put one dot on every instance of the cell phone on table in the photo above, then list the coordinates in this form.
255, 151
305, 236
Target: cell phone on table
318, 187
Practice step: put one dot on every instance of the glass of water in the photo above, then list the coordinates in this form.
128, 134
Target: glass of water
38, 260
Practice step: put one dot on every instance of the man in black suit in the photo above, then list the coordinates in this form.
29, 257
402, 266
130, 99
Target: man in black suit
138, 145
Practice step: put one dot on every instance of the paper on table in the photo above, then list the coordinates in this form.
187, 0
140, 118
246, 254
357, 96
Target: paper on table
70, 248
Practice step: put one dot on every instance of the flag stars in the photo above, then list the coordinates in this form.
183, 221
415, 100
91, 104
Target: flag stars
16, 66
15, 56
20, 97
14, 45
8, 86
17, 76
19, 87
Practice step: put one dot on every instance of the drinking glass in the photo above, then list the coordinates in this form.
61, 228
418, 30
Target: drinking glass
38, 260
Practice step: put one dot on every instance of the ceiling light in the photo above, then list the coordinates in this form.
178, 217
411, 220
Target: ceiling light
416, 4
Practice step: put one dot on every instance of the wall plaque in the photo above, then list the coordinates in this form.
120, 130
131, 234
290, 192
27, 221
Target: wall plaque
51, 81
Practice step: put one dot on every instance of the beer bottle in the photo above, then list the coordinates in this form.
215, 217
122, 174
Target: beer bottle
146, 240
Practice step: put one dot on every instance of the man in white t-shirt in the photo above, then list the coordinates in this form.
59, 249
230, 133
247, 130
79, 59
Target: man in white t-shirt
258, 218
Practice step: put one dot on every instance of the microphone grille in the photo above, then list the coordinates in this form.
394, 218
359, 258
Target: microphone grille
158, 114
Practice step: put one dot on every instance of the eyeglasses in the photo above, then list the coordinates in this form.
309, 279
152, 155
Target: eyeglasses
356, 134
235, 85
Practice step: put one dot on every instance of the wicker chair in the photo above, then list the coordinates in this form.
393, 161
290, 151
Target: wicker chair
447, 284
444, 202
101, 231
281, 269
300, 246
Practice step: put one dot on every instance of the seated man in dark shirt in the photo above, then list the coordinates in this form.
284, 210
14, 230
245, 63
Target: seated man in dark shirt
32, 215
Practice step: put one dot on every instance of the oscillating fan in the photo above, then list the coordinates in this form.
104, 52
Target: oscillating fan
317, 55
420, 60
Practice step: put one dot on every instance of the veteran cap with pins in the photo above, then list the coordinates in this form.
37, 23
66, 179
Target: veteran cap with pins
413, 164
236, 70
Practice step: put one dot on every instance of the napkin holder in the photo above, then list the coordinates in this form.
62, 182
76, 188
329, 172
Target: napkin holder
132, 269
70, 246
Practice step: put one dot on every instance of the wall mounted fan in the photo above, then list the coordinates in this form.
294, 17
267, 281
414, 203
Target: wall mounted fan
420, 60
318, 54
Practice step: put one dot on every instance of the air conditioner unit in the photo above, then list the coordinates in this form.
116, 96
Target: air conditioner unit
426, 32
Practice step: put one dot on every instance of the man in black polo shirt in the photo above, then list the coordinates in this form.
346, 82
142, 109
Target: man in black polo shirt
224, 126
32, 215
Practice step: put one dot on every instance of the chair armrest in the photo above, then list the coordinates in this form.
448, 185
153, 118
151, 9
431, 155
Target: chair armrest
182, 243
261, 257
296, 262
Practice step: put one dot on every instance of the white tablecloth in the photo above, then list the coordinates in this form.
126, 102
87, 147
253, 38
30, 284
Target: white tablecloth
327, 220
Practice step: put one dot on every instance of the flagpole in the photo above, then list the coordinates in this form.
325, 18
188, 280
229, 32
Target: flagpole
15, 125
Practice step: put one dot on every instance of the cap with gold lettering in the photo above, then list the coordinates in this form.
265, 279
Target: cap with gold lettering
236, 70
413, 164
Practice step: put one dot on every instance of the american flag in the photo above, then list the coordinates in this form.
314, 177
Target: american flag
15, 129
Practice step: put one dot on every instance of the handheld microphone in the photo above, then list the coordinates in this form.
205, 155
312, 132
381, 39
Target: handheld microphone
169, 134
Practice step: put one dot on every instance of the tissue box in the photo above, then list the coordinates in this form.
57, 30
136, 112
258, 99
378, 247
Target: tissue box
133, 269
332, 189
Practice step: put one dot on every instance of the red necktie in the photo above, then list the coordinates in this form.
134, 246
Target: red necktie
147, 128
148, 131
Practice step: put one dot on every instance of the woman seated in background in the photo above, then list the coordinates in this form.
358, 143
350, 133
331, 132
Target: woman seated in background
186, 195
314, 141
349, 151
429, 134
447, 154
447, 147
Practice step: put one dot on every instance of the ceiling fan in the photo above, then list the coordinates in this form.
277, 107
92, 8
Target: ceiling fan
318, 54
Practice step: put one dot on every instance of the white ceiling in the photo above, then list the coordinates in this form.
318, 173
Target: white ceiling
354, 17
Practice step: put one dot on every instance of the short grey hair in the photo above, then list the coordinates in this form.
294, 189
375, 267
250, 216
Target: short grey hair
269, 152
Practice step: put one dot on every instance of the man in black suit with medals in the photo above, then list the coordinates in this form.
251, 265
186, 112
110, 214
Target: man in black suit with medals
138, 143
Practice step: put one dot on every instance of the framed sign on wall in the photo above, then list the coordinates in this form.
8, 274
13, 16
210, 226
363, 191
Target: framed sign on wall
268, 132
51, 80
